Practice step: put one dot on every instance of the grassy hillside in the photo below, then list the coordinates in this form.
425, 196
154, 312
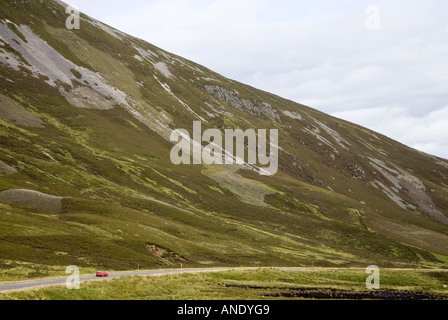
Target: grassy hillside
85, 116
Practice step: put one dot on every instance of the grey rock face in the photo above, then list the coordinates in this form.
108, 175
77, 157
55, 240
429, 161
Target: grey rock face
233, 98
41, 202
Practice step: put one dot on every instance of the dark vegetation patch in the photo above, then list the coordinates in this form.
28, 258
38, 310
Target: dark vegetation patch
339, 294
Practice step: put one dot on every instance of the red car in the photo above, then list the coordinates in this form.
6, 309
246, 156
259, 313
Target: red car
102, 274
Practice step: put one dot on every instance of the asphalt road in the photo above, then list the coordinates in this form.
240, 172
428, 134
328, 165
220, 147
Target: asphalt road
61, 281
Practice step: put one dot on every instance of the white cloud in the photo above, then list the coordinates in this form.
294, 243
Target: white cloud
427, 133
318, 53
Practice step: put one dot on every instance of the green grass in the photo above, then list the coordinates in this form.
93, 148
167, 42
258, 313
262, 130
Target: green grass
240, 284
103, 158
19, 271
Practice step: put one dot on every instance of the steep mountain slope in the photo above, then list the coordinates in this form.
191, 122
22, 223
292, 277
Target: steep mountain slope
86, 177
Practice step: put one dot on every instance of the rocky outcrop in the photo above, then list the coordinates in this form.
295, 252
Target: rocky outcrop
34, 200
6, 169
233, 98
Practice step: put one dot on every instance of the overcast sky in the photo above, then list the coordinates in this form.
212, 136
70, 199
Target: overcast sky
382, 64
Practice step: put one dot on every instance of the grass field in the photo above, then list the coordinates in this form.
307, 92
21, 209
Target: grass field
259, 284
